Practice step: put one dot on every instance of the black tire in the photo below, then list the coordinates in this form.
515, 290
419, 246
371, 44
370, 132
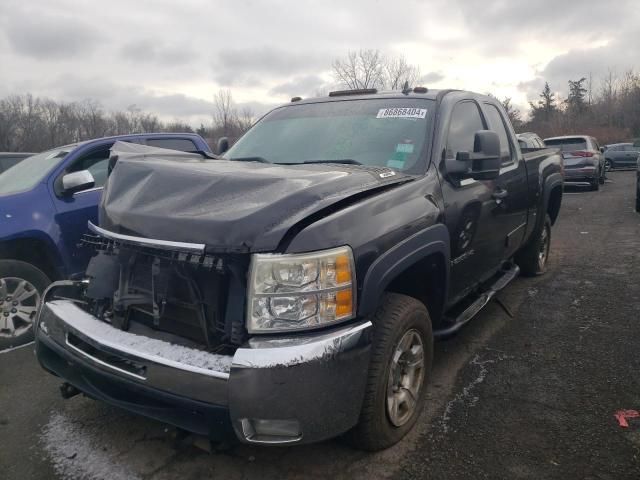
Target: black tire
529, 259
397, 316
595, 184
15, 269
608, 165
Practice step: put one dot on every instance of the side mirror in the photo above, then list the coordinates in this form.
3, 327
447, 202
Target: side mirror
602, 149
483, 163
223, 145
77, 181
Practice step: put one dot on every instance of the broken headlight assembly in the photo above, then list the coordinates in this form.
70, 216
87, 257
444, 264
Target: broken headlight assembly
300, 291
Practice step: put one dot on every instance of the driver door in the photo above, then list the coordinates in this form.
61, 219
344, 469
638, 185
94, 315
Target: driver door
469, 208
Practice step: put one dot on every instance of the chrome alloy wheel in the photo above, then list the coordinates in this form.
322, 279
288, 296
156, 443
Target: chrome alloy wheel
19, 301
406, 375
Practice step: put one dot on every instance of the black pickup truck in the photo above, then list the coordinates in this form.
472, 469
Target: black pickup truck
290, 290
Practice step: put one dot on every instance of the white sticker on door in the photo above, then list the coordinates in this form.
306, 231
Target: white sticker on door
402, 112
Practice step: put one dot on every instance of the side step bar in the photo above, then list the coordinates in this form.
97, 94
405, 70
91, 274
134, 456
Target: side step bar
452, 325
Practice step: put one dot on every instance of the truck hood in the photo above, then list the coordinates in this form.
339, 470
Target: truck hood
229, 206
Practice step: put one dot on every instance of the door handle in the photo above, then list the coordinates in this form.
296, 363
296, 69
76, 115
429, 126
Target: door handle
499, 194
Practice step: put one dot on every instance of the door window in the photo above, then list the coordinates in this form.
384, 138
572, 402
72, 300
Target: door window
96, 163
465, 122
180, 144
496, 123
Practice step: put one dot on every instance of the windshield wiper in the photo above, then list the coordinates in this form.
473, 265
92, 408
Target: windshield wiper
346, 161
249, 159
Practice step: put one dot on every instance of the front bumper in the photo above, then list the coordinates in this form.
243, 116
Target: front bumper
273, 390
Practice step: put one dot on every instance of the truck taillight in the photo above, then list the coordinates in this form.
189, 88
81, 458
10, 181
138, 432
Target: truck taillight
581, 153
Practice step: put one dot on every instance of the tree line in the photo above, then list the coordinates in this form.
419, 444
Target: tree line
607, 108
34, 124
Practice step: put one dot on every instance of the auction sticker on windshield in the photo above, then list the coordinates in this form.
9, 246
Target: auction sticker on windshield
402, 113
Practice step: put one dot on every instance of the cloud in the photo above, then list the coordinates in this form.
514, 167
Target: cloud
596, 63
304, 86
249, 66
152, 51
51, 38
430, 78
173, 56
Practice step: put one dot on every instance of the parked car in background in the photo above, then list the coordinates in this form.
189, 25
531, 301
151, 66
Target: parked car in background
45, 203
9, 159
290, 291
530, 141
621, 155
582, 159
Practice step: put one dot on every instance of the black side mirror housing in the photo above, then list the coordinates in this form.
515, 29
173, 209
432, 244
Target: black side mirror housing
486, 161
223, 145
483, 163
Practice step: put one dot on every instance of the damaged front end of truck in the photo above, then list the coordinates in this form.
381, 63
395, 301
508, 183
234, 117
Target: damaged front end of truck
159, 327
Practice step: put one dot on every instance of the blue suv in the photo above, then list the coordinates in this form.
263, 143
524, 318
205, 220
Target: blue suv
45, 203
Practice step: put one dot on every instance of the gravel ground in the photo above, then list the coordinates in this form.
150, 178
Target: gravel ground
528, 396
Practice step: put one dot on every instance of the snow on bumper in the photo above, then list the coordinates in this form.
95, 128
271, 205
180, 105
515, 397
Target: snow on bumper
294, 389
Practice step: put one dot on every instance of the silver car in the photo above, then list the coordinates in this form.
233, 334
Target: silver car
621, 155
582, 158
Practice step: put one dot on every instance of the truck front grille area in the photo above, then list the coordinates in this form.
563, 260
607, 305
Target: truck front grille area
170, 291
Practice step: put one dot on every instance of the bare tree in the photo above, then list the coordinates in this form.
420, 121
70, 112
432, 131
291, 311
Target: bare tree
397, 72
361, 69
225, 115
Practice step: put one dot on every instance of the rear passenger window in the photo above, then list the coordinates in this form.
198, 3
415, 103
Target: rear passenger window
181, 144
496, 123
465, 122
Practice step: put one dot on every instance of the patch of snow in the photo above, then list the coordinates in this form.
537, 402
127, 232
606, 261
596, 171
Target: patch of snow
77, 455
131, 343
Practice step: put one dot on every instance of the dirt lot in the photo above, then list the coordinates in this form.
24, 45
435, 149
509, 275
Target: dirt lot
532, 396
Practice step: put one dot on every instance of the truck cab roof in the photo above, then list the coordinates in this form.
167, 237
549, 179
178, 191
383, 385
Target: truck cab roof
371, 94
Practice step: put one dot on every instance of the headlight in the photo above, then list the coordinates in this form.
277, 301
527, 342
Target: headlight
300, 291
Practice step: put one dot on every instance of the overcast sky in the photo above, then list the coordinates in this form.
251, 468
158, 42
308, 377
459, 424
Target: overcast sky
170, 57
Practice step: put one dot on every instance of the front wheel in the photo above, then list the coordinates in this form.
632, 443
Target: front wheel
21, 287
401, 358
608, 165
532, 259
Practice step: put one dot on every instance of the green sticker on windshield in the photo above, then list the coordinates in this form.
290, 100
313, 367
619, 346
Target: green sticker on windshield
398, 164
404, 148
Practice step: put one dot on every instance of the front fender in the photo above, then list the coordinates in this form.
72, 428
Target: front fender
431, 240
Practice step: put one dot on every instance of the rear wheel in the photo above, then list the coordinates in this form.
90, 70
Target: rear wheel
532, 259
595, 183
401, 357
21, 288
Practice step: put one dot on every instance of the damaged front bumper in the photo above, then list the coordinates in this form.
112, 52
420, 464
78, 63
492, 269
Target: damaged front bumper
272, 390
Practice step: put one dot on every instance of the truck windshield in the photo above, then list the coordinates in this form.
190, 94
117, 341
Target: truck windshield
379, 132
26, 174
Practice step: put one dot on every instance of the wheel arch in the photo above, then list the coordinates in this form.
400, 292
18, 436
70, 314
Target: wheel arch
552, 197
35, 251
417, 267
